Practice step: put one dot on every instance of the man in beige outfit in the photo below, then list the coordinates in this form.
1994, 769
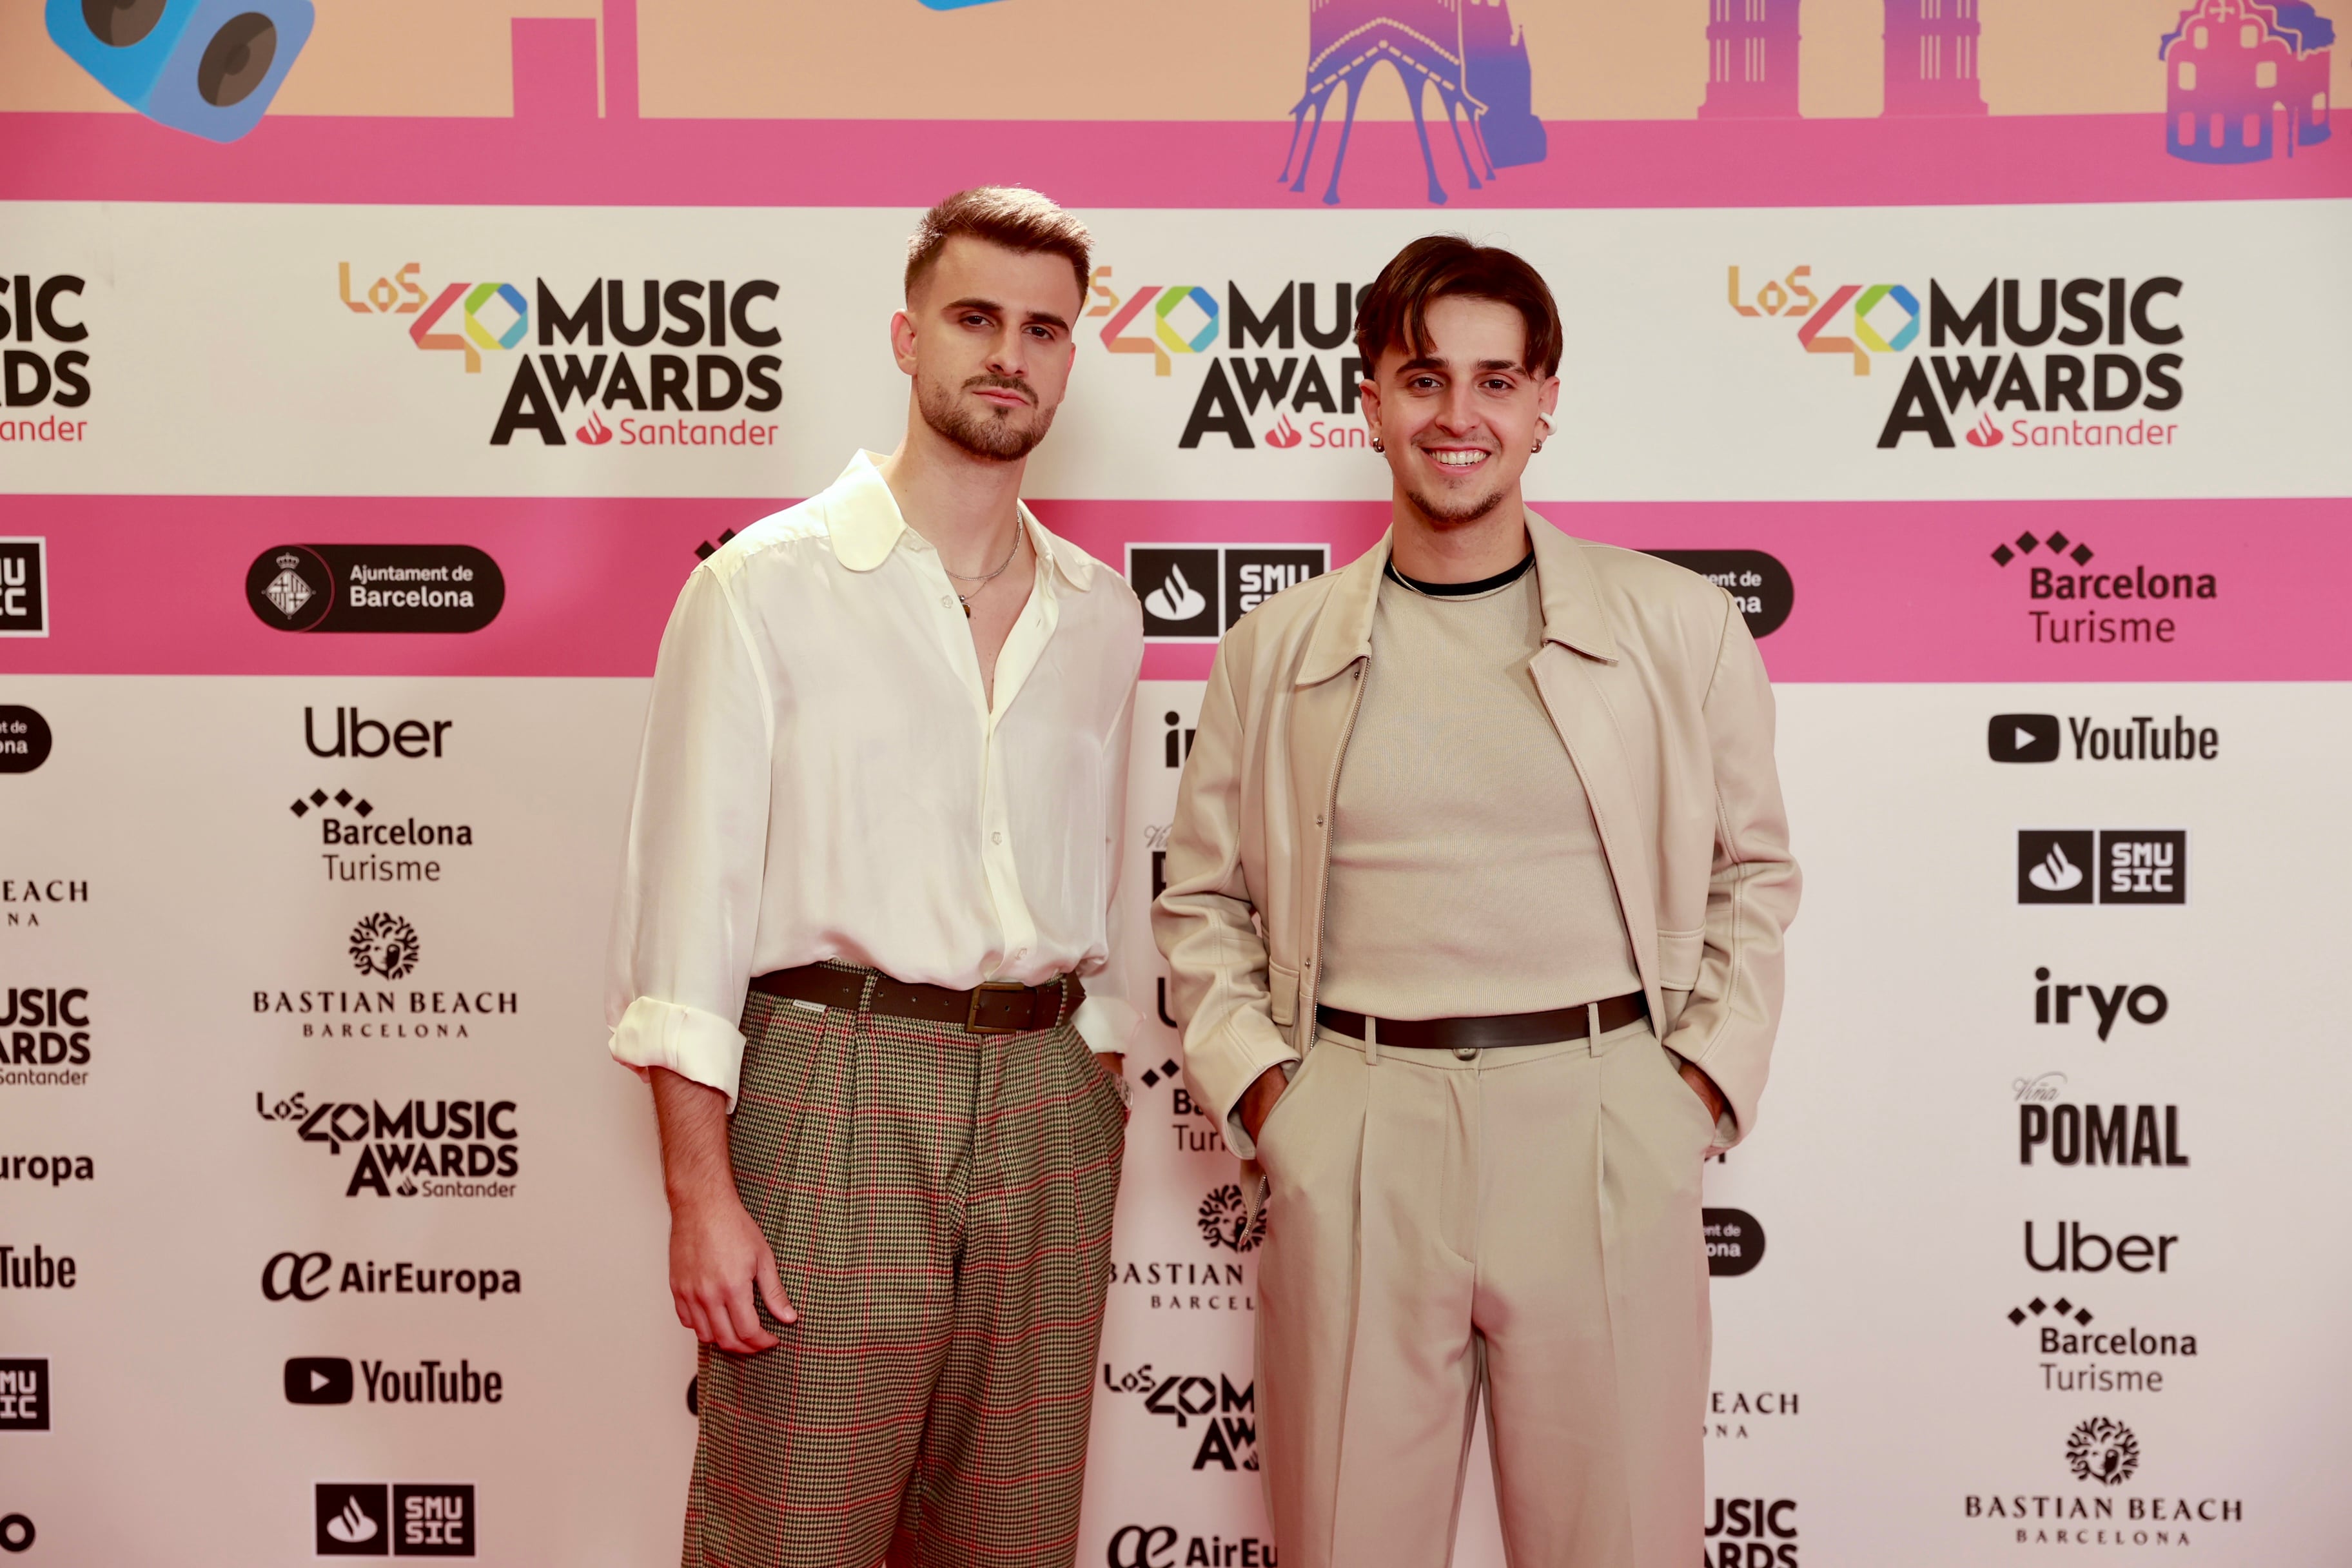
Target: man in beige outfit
1474, 914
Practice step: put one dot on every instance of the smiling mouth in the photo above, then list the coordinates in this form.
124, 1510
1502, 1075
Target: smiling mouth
1452, 458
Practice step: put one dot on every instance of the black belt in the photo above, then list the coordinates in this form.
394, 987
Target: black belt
997, 1007
1483, 1034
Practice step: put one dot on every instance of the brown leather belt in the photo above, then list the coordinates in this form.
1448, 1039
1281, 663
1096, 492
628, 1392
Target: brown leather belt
997, 1007
1483, 1034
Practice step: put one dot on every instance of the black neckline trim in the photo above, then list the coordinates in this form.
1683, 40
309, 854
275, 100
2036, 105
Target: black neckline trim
1461, 590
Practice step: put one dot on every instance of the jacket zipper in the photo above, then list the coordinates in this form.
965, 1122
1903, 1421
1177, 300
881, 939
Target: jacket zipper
1323, 888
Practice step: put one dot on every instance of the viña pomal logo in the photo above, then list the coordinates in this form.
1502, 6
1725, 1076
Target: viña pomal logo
2103, 1450
1225, 1220
385, 946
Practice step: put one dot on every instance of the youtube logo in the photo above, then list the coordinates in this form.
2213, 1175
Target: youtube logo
318, 1380
2023, 738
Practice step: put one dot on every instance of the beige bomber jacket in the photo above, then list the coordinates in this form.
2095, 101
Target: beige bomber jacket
1655, 686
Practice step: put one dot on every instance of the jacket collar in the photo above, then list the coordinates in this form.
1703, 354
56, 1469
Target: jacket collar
863, 523
1572, 613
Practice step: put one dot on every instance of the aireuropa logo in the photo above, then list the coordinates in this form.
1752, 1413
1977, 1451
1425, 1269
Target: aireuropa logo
2107, 865
486, 321
2050, 350
1194, 593
24, 587
1244, 399
374, 588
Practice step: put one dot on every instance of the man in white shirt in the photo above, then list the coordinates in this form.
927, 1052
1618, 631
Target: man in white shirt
877, 822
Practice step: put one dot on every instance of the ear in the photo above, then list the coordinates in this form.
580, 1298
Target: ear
902, 341
1368, 395
1547, 400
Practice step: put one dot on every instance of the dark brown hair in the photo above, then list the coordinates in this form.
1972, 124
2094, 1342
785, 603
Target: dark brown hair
1392, 313
1009, 216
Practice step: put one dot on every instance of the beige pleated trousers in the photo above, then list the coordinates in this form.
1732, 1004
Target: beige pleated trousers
1523, 1223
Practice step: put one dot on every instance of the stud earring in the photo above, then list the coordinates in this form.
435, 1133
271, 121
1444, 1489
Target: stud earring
1537, 448
1378, 444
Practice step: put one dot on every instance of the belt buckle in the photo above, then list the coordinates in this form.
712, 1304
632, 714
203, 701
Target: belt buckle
972, 1024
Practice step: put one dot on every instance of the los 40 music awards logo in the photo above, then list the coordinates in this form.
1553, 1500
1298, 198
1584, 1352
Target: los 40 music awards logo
2011, 363
672, 352
1298, 391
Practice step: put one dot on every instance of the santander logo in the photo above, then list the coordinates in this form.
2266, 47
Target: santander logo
1284, 434
595, 433
1986, 434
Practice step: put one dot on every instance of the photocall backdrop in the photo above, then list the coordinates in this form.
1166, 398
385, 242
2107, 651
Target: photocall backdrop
1989, 350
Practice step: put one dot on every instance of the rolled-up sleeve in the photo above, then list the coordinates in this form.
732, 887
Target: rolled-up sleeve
690, 882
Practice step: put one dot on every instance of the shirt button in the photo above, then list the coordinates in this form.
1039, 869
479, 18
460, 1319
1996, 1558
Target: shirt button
1318, 819
996, 838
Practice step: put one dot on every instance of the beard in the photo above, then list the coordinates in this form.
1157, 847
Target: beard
1470, 509
992, 436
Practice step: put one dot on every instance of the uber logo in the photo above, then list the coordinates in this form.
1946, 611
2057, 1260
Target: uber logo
1194, 593
2023, 738
24, 588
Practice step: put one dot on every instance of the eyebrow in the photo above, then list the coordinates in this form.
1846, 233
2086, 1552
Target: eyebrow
972, 303
1431, 361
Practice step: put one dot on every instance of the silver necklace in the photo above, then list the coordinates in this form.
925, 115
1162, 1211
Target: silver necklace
966, 599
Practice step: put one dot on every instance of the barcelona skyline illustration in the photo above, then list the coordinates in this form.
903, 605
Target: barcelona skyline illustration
2245, 80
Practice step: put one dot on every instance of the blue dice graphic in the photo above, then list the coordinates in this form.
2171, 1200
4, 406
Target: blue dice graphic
206, 66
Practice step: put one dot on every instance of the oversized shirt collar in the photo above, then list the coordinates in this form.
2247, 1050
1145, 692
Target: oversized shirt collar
863, 522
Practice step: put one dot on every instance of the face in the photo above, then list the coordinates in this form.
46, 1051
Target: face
1459, 421
987, 339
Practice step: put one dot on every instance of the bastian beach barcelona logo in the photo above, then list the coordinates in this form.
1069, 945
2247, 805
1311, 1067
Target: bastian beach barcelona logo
385, 950
594, 361
2120, 1497
1999, 364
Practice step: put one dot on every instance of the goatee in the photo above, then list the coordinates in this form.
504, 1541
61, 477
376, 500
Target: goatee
992, 436
1469, 510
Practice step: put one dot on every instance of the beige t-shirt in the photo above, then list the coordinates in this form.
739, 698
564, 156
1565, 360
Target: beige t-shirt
1467, 877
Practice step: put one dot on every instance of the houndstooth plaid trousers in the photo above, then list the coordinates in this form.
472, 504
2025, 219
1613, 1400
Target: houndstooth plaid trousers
940, 1207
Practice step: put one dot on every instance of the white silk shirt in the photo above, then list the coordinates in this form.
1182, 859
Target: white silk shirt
822, 776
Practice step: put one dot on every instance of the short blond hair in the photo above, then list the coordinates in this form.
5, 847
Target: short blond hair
1012, 217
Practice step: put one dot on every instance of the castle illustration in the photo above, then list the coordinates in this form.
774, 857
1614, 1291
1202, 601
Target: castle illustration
1931, 57
1469, 50
1751, 60
2244, 81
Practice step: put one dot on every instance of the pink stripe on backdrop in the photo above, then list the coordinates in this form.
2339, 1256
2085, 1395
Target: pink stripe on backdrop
1885, 591
619, 161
